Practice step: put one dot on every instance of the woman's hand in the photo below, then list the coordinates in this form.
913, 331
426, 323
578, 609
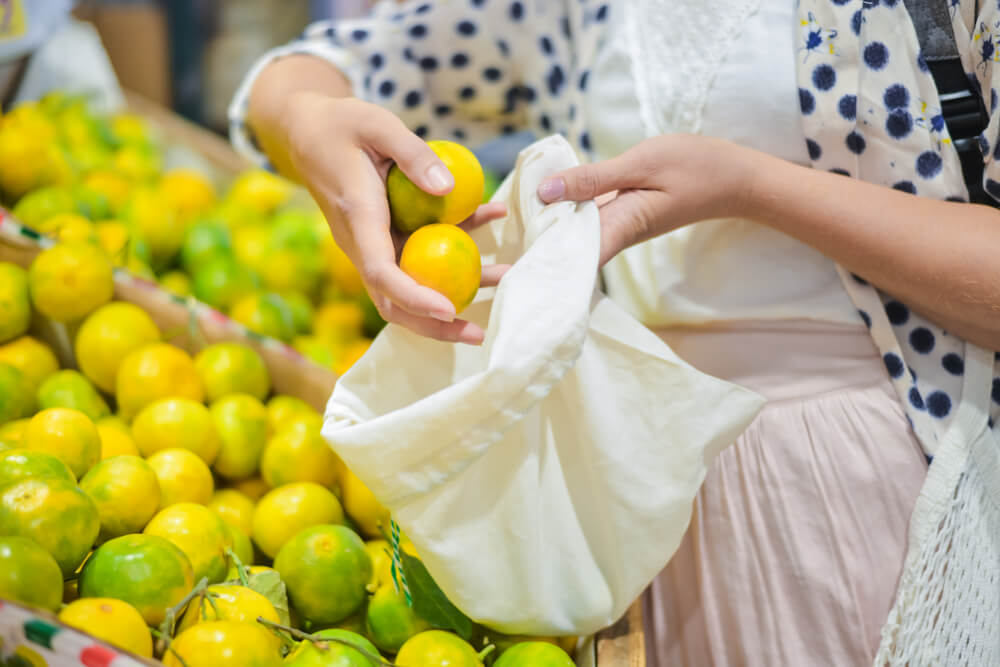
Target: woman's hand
659, 185
341, 149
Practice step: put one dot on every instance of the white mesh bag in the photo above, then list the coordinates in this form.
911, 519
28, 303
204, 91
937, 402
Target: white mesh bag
546, 477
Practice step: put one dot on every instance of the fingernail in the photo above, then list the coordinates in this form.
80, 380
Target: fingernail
471, 338
443, 315
552, 190
439, 178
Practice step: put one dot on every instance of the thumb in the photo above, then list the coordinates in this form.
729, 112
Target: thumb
587, 181
390, 137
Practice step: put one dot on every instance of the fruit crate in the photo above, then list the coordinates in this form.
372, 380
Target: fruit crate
37, 637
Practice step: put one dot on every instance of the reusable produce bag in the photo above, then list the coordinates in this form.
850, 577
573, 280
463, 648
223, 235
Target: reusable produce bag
546, 477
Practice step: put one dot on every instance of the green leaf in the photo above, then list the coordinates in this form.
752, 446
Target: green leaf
430, 602
270, 585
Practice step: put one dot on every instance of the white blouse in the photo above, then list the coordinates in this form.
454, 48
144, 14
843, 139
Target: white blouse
473, 69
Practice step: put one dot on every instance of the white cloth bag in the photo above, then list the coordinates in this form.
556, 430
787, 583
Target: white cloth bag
546, 477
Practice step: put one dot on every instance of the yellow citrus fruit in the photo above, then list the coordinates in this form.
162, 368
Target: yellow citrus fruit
317, 350
136, 163
242, 547
188, 192
229, 603
339, 653
114, 621
39, 205
540, 653
114, 187
107, 336
183, 476
231, 368
199, 533
126, 492
437, 647
176, 282
70, 389
266, 314
380, 553
56, 514
130, 128
116, 438
250, 244
390, 620
224, 644
69, 227
298, 453
351, 355
16, 397
361, 505
446, 259
234, 508
66, 433
326, 570
302, 310
70, 280
260, 190
21, 464
15, 306
147, 571
11, 432
241, 423
115, 238
155, 221
287, 510
152, 372
171, 423
413, 208
33, 358
339, 321
29, 574
233, 575
282, 410
253, 488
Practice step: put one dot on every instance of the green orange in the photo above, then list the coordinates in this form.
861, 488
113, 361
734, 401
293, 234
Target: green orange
298, 453
412, 208
21, 464
242, 546
325, 569
107, 336
32, 357
229, 603
288, 509
534, 654
176, 423
265, 313
126, 492
16, 399
241, 424
68, 281
230, 368
56, 514
436, 648
70, 389
337, 653
15, 306
29, 574
199, 533
235, 508
390, 620
222, 282
152, 372
183, 477
146, 571
282, 410
66, 433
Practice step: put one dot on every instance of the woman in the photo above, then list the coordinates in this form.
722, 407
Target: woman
743, 117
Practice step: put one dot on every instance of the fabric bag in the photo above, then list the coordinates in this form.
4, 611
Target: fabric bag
547, 476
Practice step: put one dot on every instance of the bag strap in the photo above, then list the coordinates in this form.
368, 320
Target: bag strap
962, 106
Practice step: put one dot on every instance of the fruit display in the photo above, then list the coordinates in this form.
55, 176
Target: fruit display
173, 506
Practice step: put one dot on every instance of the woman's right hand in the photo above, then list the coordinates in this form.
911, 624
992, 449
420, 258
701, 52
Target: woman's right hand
341, 149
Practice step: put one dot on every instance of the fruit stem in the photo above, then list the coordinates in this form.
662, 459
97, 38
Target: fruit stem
486, 651
161, 638
241, 569
167, 627
305, 636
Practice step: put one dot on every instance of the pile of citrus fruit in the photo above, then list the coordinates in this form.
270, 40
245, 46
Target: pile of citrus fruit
258, 250
171, 505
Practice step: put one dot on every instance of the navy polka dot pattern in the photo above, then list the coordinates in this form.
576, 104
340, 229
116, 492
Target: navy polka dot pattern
870, 109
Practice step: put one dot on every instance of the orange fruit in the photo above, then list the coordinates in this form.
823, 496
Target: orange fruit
70, 280
173, 423
66, 433
231, 368
253, 488
412, 208
199, 533
109, 335
224, 644
289, 509
298, 453
327, 653
147, 571
535, 654
437, 648
114, 621
229, 603
152, 372
29, 574
183, 477
233, 507
21, 464
390, 620
446, 259
326, 570
126, 493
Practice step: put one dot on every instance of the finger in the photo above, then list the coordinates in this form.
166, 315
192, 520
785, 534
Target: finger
388, 136
406, 294
484, 214
591, 180
492, 274
458, 331
624, 222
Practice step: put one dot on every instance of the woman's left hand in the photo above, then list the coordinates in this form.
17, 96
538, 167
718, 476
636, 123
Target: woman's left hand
659, 185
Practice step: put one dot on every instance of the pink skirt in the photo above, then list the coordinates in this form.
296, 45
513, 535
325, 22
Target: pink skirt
799, 533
